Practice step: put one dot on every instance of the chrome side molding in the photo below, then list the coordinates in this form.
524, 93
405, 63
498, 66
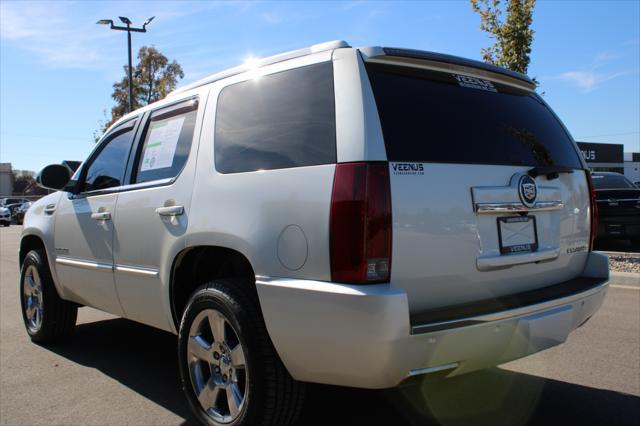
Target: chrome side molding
516, 207
137, 270
84, 264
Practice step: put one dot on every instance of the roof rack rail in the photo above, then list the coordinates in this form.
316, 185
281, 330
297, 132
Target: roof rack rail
320, 47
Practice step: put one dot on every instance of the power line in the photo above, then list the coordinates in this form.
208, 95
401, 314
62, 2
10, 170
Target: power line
610, 134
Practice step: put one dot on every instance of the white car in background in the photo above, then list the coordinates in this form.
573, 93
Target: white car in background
334, 215
5, 216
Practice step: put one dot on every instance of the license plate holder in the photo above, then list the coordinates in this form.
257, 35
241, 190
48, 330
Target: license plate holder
517, 234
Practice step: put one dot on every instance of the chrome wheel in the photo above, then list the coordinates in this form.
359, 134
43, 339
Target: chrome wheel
217, 366
32, 296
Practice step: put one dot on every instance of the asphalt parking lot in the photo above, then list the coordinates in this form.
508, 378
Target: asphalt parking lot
118, 372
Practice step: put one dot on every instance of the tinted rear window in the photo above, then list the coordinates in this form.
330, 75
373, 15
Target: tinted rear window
277, 121
611, 182
430, 116
167, 142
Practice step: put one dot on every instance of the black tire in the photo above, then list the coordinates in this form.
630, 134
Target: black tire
271, 396
58, 317
6, 224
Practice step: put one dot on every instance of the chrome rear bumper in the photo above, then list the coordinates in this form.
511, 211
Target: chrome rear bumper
363, 336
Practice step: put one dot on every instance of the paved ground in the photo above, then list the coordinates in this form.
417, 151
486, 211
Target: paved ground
118, 372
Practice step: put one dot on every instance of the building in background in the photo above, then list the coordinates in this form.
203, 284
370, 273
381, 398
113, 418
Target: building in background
6, 180
610, 157
603, 157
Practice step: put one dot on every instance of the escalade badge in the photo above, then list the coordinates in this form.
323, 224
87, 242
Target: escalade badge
527, 190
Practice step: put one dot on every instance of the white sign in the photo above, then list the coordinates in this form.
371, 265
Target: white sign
589, 155
161, 145
474, 83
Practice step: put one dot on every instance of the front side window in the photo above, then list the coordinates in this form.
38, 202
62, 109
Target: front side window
108, 167
277, 121
167, 142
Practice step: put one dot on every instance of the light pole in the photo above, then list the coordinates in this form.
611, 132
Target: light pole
128, 29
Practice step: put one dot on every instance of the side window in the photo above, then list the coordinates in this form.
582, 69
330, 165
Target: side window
167, 142
277, 121
108, 167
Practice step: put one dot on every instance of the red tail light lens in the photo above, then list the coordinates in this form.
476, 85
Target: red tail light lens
360, 223
594, 211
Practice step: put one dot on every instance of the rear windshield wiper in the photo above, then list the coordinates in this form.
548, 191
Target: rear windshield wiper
551, 172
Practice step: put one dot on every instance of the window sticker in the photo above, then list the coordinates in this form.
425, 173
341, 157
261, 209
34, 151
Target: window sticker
474, 83
162, 143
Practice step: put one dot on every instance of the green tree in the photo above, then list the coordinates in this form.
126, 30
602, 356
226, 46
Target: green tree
153, 78
513, 35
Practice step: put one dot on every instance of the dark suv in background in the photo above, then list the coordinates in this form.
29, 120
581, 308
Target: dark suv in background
618, 206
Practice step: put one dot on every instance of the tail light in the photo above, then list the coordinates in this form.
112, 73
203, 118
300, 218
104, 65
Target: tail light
360, 223
594, 211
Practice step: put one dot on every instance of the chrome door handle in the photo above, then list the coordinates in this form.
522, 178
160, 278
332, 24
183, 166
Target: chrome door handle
101, 216
170, 211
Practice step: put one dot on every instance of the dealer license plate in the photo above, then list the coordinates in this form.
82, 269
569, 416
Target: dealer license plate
517, 234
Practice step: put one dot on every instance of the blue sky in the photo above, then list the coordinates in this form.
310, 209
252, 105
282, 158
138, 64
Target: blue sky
57, 66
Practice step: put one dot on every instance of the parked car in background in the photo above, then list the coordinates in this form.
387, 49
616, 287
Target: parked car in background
13, 208
618, 207
335, 215
22, 210
4, 202
5, 216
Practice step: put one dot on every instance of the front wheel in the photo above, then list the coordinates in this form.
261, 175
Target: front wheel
230, 372
47, 317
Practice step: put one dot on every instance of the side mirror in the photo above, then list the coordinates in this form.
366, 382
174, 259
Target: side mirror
54, 176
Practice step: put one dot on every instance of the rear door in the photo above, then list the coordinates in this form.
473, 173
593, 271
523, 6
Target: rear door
152, 212
471, 220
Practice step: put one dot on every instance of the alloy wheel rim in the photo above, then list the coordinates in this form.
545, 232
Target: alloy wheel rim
32, 291
217, 366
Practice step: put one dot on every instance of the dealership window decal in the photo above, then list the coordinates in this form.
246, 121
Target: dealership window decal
163, 141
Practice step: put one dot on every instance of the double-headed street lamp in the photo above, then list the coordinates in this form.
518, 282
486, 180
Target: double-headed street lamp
128, 29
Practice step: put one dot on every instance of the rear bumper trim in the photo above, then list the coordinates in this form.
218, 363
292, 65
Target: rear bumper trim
429, 370
586, 287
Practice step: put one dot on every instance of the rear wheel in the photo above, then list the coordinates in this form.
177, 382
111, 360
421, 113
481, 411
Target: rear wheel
230, 372
46, 316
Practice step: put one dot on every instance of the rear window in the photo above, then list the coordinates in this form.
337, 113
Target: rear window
167, 142
429, 116
611, 182
277, 121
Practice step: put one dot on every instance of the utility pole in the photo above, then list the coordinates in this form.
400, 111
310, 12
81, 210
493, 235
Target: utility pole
128, 29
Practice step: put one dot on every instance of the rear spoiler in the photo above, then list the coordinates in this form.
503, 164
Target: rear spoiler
447, 63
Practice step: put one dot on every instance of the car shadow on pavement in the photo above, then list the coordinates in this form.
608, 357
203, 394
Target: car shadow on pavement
144, 359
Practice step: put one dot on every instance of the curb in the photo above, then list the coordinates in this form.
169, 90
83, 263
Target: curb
625, 278
620, 254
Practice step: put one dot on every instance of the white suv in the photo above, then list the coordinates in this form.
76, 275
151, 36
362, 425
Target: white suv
333, 215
